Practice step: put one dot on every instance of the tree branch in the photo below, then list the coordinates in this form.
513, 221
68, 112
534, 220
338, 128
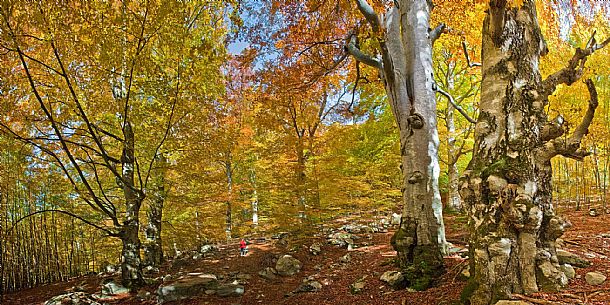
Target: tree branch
437, 32
575, 68
108, 231
369, 14
470, 63
360, 56
455, 105
570, 147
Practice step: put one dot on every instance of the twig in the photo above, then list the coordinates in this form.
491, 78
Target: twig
570, 242
533, 300
470, 64
455, 105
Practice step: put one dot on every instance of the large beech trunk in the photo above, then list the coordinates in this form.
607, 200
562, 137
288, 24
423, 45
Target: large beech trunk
153, 247
507, 186
406, 68
131, 267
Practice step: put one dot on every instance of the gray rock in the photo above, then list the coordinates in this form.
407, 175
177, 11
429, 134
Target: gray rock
230, 290
268, 273
315, 248
466, 272
395, 279
357, 286
593, 212
568, 270
288, 265
309, 286
345, 258
112, 288
72, 298
395, 219
595, 278
565, 257
343, 240
208, 249
186, 288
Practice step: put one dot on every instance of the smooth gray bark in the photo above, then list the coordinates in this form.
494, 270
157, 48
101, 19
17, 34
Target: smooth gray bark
406, 69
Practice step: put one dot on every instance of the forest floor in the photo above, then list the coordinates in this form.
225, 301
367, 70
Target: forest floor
589, 237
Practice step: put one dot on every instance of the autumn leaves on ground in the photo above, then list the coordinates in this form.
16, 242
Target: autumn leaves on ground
370, 152
339, 270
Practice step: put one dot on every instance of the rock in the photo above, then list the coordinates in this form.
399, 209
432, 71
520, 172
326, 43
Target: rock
568, 270
208, 249
593, 212
112, 288
280, 235
243, 276
150, 269
357, 286
395, 279
143, 295
230, 290
395, 219
565, 257
344, 240
309, 286
72, 298
595, 278
268, 273
345, 258
551, 275
288, 265
186, 288
315, 248
466, 272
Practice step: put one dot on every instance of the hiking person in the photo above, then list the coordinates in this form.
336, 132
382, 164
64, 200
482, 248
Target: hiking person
242, 247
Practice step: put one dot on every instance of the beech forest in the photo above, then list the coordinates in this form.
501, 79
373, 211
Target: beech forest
304, 152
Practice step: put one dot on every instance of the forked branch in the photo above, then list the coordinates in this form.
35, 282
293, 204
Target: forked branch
470, 63
570, 147
360, 56
575, 68
455, 105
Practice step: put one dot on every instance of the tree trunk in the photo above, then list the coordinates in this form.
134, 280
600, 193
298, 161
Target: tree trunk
507, 186
454, 202
153, 247
408, 76
254, 198
131, 267
301, 177
229, 173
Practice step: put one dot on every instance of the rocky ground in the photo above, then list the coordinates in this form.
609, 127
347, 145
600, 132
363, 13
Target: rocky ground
339, 265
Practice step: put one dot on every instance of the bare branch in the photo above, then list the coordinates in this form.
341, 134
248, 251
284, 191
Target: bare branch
570, 147
108, 231
437, 32
470, 63
575, 68
455, 105
360, 56
369, 13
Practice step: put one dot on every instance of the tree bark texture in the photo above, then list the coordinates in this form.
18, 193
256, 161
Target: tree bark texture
131, 267
153, 247
406, 68
507, 186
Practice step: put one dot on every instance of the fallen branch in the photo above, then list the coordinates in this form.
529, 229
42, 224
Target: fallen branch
570, 242
534, 300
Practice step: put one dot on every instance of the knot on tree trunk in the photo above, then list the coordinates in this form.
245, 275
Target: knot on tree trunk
416, 121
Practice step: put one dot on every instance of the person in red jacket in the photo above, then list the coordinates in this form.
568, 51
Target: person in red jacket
242, 247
